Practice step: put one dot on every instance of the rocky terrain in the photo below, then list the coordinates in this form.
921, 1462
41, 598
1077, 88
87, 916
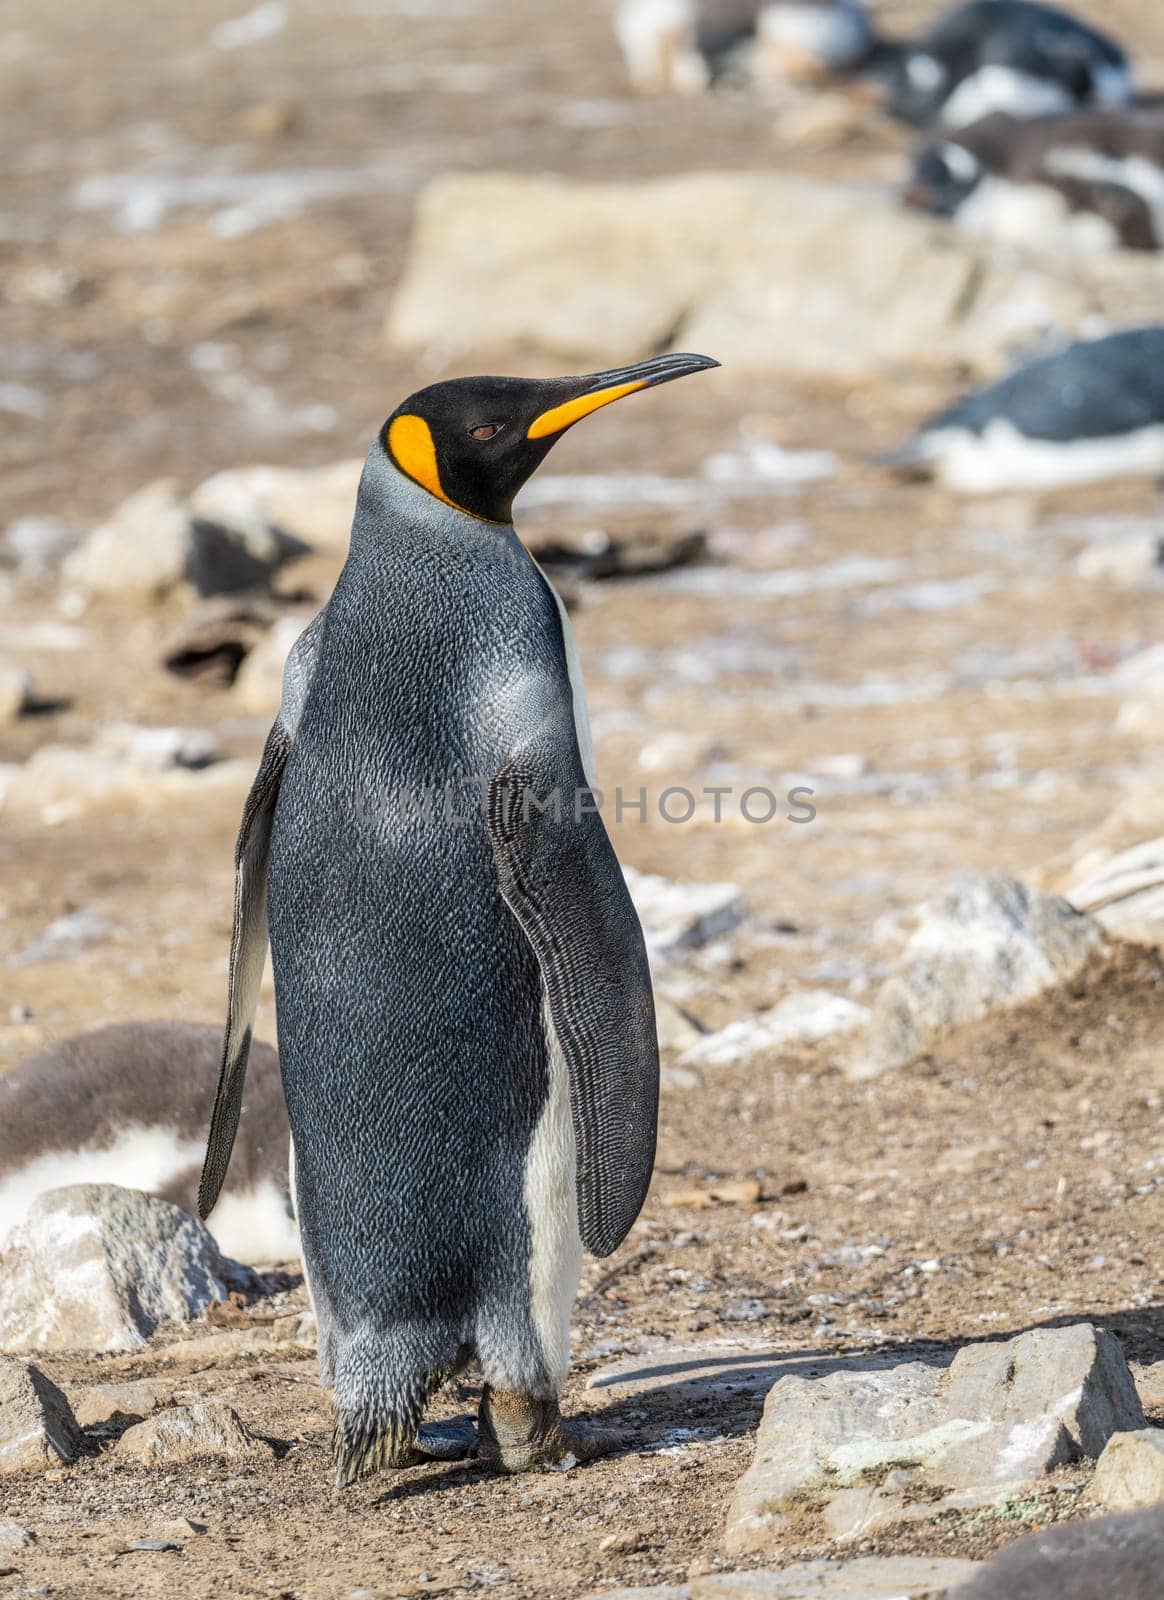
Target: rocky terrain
896, 1293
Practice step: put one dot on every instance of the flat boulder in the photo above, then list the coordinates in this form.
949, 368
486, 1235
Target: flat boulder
743, 265
997, 1416
97, 1267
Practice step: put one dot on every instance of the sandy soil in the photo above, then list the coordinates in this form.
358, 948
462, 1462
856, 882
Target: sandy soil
975, 717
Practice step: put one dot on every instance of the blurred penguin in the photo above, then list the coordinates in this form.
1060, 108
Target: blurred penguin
1111, 1558
1090, 182
1094, 411
684, 46
129, 1104
1015, 56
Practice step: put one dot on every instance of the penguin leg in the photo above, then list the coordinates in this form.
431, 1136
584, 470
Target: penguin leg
520, 1432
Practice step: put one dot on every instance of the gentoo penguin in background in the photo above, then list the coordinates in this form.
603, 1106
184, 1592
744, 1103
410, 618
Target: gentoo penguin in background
1093, 411
1091, 181
466, 1024
1110, 1558
684, 46
1000, 55
128, 1104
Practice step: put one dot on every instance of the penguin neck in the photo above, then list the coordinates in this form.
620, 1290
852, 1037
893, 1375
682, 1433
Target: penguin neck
392, 509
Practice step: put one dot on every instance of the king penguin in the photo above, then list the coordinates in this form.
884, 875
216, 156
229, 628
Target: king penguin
465, 1017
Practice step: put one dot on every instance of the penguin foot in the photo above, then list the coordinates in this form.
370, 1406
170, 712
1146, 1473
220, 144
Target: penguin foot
455, 1440
520, 1433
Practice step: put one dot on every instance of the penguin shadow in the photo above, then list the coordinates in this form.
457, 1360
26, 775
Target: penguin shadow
685, 1398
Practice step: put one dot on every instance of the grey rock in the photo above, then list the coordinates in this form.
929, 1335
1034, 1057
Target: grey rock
97, 1267
1112, 1558
210, 1428
809, 1017
990, 941
998, 1415
870, 1578
683, 916
1130, 1472
37, 1428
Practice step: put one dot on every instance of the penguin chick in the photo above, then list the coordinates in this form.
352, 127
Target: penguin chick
1092, 181
128, 1104
1112, 1558
1090, 412
466, 1024
1016, 56
684, 46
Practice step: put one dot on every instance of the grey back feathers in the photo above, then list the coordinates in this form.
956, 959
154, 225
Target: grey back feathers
1112, 1558
129, 1104
1094, 389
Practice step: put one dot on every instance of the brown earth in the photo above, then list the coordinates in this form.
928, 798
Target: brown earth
1023, 1156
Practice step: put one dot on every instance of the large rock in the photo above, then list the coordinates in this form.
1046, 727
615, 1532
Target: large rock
97, 1267
37, 1429
1130, 1473
156, 541
1125, 893
999, 1415
990, 941
744, 265
210, 1428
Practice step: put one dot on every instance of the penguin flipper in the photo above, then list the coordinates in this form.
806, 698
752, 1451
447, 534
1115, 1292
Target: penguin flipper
248, 953
561, 879
248, 944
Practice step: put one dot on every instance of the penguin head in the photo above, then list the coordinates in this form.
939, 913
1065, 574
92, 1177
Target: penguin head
944, 177
473, 442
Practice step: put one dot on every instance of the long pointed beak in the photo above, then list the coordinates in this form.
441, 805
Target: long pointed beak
600, 389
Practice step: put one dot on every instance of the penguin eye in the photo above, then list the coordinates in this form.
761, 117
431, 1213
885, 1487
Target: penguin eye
486, 430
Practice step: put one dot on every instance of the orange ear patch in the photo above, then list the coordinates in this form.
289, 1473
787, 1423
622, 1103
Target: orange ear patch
574, 410
410, 444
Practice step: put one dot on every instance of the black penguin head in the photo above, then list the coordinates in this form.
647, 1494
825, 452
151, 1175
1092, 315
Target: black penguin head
944, 177
473, 442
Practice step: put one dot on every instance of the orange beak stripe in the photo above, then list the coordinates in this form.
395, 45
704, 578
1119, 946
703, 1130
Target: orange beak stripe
565, 416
